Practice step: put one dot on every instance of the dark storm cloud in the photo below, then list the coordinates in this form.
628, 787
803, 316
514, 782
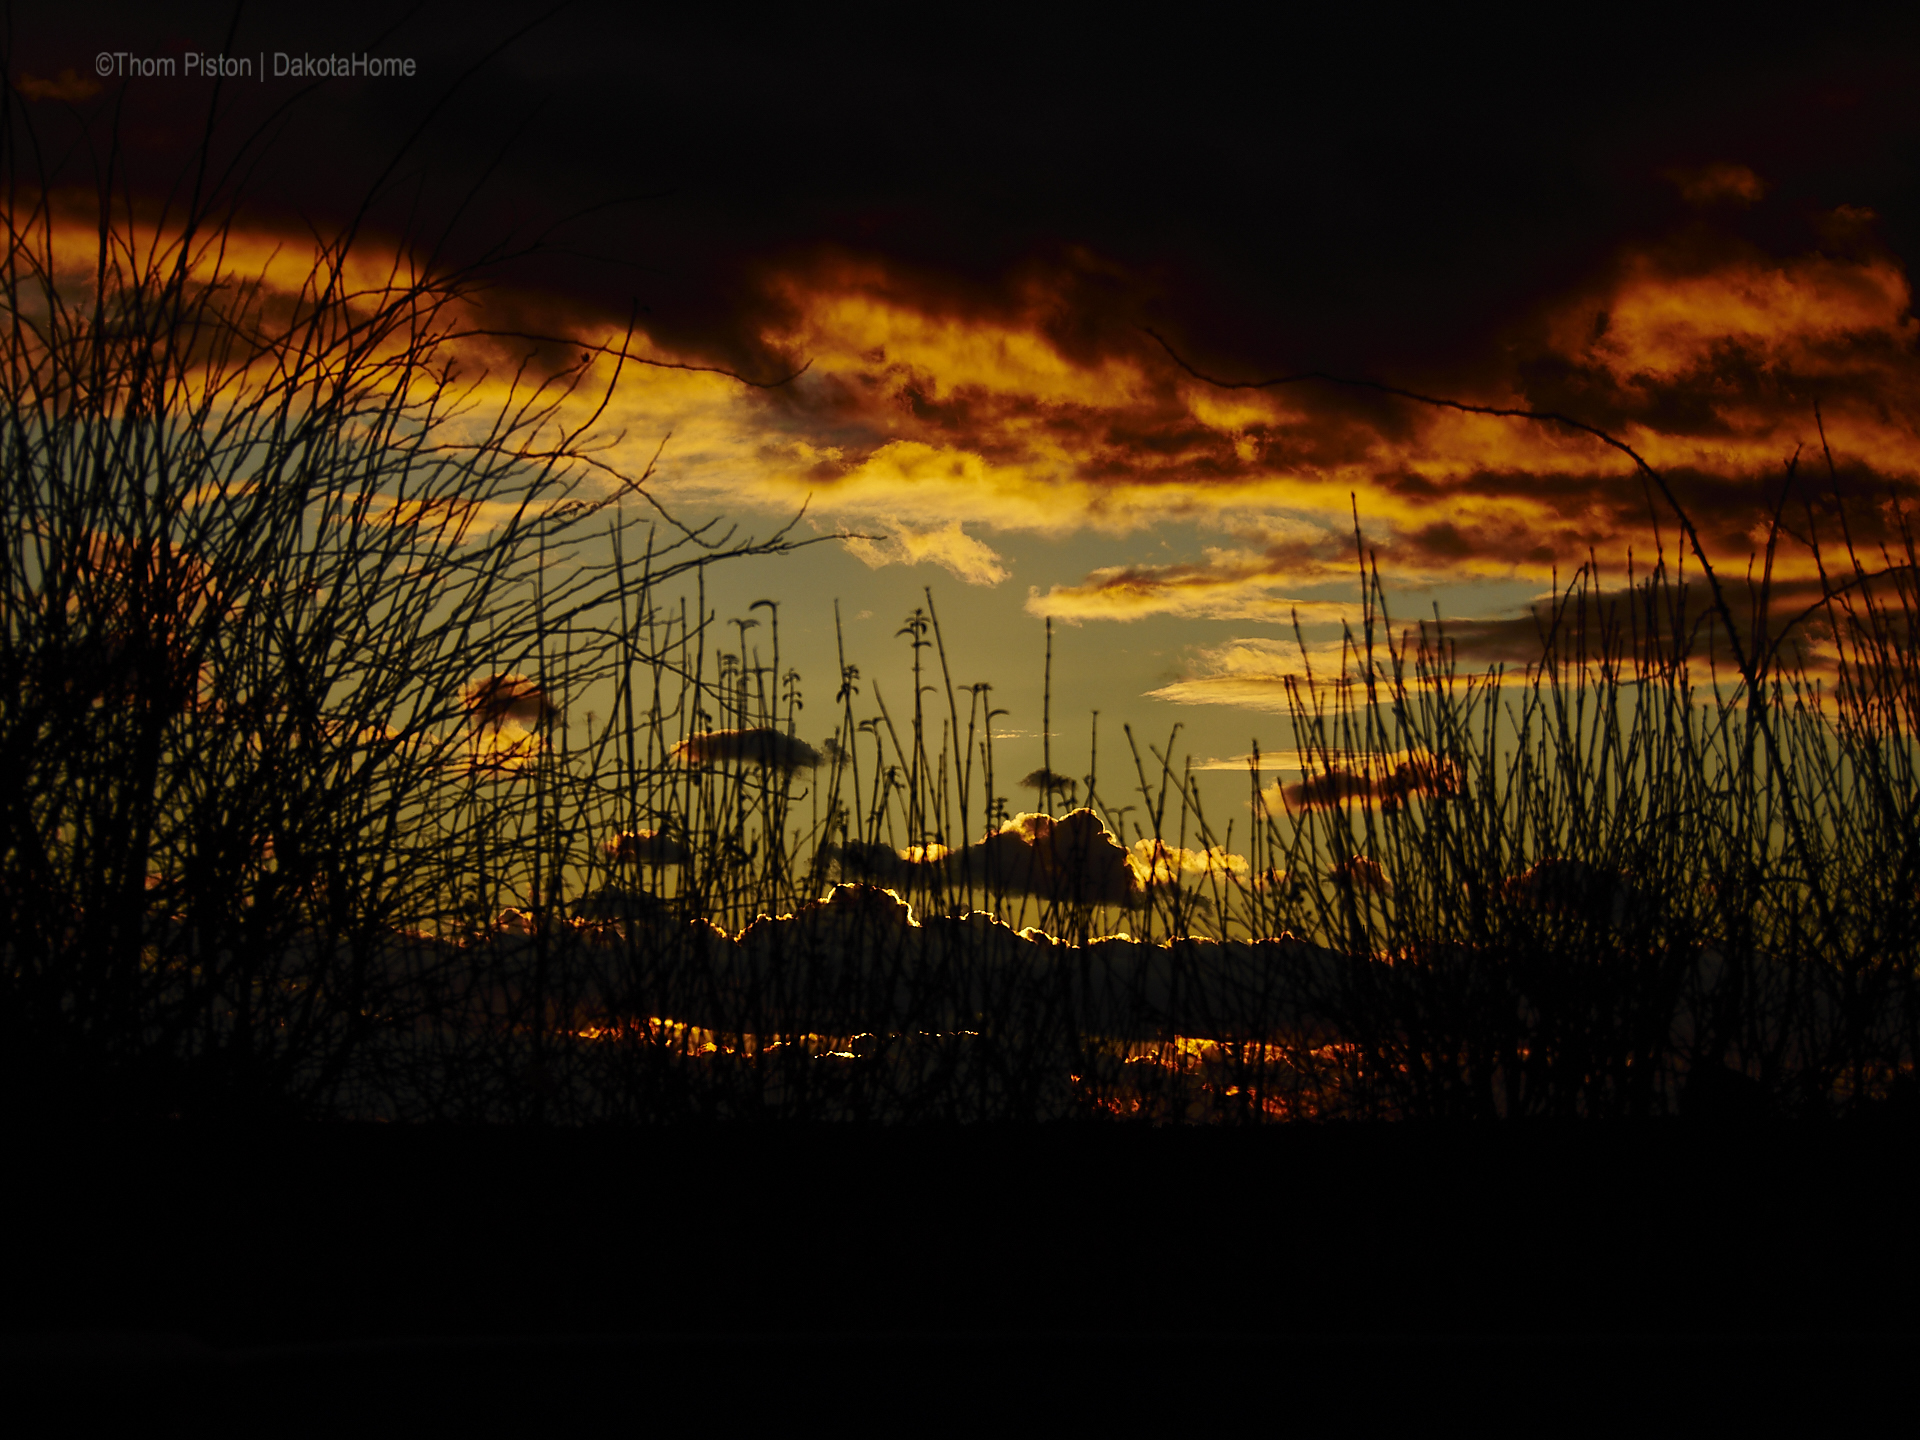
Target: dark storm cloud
1290, 191
1688, 243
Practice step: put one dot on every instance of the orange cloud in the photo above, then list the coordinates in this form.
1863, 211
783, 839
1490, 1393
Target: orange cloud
261, 262
929, 426
1814, 316
927, 423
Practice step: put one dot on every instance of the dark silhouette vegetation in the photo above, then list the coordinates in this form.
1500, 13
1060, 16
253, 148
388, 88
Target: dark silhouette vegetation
331, 793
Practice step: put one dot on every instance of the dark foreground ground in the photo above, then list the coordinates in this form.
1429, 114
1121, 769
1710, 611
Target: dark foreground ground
724, 1273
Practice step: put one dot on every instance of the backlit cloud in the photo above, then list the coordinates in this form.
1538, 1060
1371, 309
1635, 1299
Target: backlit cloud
930, 419
1073, 859
930, 426
924, 423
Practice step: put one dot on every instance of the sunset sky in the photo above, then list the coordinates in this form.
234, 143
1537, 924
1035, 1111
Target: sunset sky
1686, 233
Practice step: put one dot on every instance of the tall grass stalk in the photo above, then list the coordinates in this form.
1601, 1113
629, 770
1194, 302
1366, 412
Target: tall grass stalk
262, 544
374, 751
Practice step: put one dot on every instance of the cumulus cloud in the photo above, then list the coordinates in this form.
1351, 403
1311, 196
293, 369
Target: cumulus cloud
871, 860
760, 746
1158, 863
1074, 860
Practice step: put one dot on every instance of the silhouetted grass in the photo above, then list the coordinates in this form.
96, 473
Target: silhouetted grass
310, 809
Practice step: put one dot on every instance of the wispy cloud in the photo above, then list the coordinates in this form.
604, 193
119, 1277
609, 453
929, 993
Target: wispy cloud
948, 546
1584, 628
